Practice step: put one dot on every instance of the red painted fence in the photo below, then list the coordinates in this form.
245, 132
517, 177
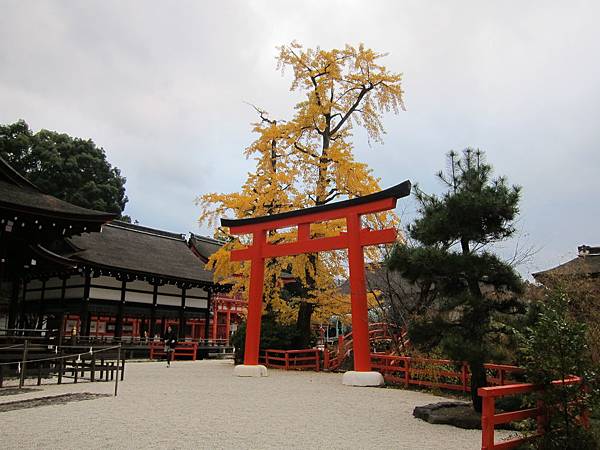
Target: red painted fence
292, 359
489, 417
187, 349
438, 373
378, 332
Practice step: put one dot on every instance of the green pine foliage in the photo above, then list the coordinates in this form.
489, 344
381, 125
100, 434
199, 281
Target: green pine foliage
72, 169
476, 292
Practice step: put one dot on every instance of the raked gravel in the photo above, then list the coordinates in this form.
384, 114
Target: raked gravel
202, 405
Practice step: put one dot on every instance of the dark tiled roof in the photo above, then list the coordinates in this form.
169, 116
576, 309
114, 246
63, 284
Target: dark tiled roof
204, 246
20, 196
141, 249
582, 265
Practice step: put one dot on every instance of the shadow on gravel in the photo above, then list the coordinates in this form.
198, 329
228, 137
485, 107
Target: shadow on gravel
15, 391
45, 401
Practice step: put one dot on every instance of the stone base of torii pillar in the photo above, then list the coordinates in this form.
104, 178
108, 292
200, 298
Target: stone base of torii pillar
353, 378
243, 370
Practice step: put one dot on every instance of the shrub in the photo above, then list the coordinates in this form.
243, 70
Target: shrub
273, 335
554, 347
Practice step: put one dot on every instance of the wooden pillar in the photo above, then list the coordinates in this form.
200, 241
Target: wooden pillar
152, 326
121, 310
257, 279
13, 308
228, 323
182, 315
61, 310
84, 314
21, 318
209, 301
41, 306
215, 319
358, 296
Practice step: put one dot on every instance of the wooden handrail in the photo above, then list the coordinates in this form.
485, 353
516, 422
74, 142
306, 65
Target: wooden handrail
489, 417
292, 360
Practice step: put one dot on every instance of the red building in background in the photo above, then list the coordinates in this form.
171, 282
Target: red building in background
226, 310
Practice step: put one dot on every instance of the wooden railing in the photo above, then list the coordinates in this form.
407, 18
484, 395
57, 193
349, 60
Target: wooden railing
292, 359
60, 363
127, 341
185, 349
378, 332
438, 373
489, 417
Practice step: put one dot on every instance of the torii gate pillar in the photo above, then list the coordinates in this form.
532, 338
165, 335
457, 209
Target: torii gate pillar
354, 239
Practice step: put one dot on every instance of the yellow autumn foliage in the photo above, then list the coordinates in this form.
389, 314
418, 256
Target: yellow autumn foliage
308, 161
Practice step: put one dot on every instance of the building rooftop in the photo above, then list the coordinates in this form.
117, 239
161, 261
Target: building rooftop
586, 263
141, 250
204, 246
22, 202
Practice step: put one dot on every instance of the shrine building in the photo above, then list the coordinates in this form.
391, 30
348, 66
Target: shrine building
66, 267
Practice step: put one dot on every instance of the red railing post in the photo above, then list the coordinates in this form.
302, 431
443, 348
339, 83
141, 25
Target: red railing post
287, 361
339, 358
317, 359
407, 371
487, 422
326, 359
585, 413
541, 417
463, 376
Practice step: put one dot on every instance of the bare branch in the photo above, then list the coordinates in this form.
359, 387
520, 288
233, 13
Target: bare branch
354, 106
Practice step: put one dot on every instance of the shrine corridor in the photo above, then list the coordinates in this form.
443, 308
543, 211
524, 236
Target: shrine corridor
202, 405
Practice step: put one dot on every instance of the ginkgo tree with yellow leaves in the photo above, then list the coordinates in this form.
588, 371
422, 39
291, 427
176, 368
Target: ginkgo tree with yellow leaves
307, 161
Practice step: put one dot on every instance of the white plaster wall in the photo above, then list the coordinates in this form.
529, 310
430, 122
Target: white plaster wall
197, 292
195, 303
75, 280
105, 294
74, 293
54, 283
165, 300
138, 296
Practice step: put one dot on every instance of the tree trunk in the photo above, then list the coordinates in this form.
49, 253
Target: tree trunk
303, 325
478, 379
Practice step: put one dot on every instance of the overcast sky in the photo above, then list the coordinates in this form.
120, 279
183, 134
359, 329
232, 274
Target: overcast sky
161, 87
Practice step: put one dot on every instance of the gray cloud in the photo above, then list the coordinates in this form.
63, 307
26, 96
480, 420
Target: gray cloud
161, 86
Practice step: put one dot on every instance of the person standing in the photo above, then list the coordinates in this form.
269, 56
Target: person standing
74, 335
170, 343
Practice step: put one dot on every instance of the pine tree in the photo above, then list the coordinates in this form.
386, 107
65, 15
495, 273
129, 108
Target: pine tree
475, 289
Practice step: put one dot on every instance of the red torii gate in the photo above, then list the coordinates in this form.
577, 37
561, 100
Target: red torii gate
354, 239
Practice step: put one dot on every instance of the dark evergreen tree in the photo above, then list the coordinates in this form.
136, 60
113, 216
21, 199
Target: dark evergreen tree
475, 289
71, 169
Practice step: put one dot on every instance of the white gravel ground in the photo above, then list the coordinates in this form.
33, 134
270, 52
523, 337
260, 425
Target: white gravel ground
202, 405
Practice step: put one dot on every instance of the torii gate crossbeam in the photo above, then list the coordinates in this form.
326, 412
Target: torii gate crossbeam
354, 239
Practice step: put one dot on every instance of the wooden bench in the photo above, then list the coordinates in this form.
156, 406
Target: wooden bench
185, 349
